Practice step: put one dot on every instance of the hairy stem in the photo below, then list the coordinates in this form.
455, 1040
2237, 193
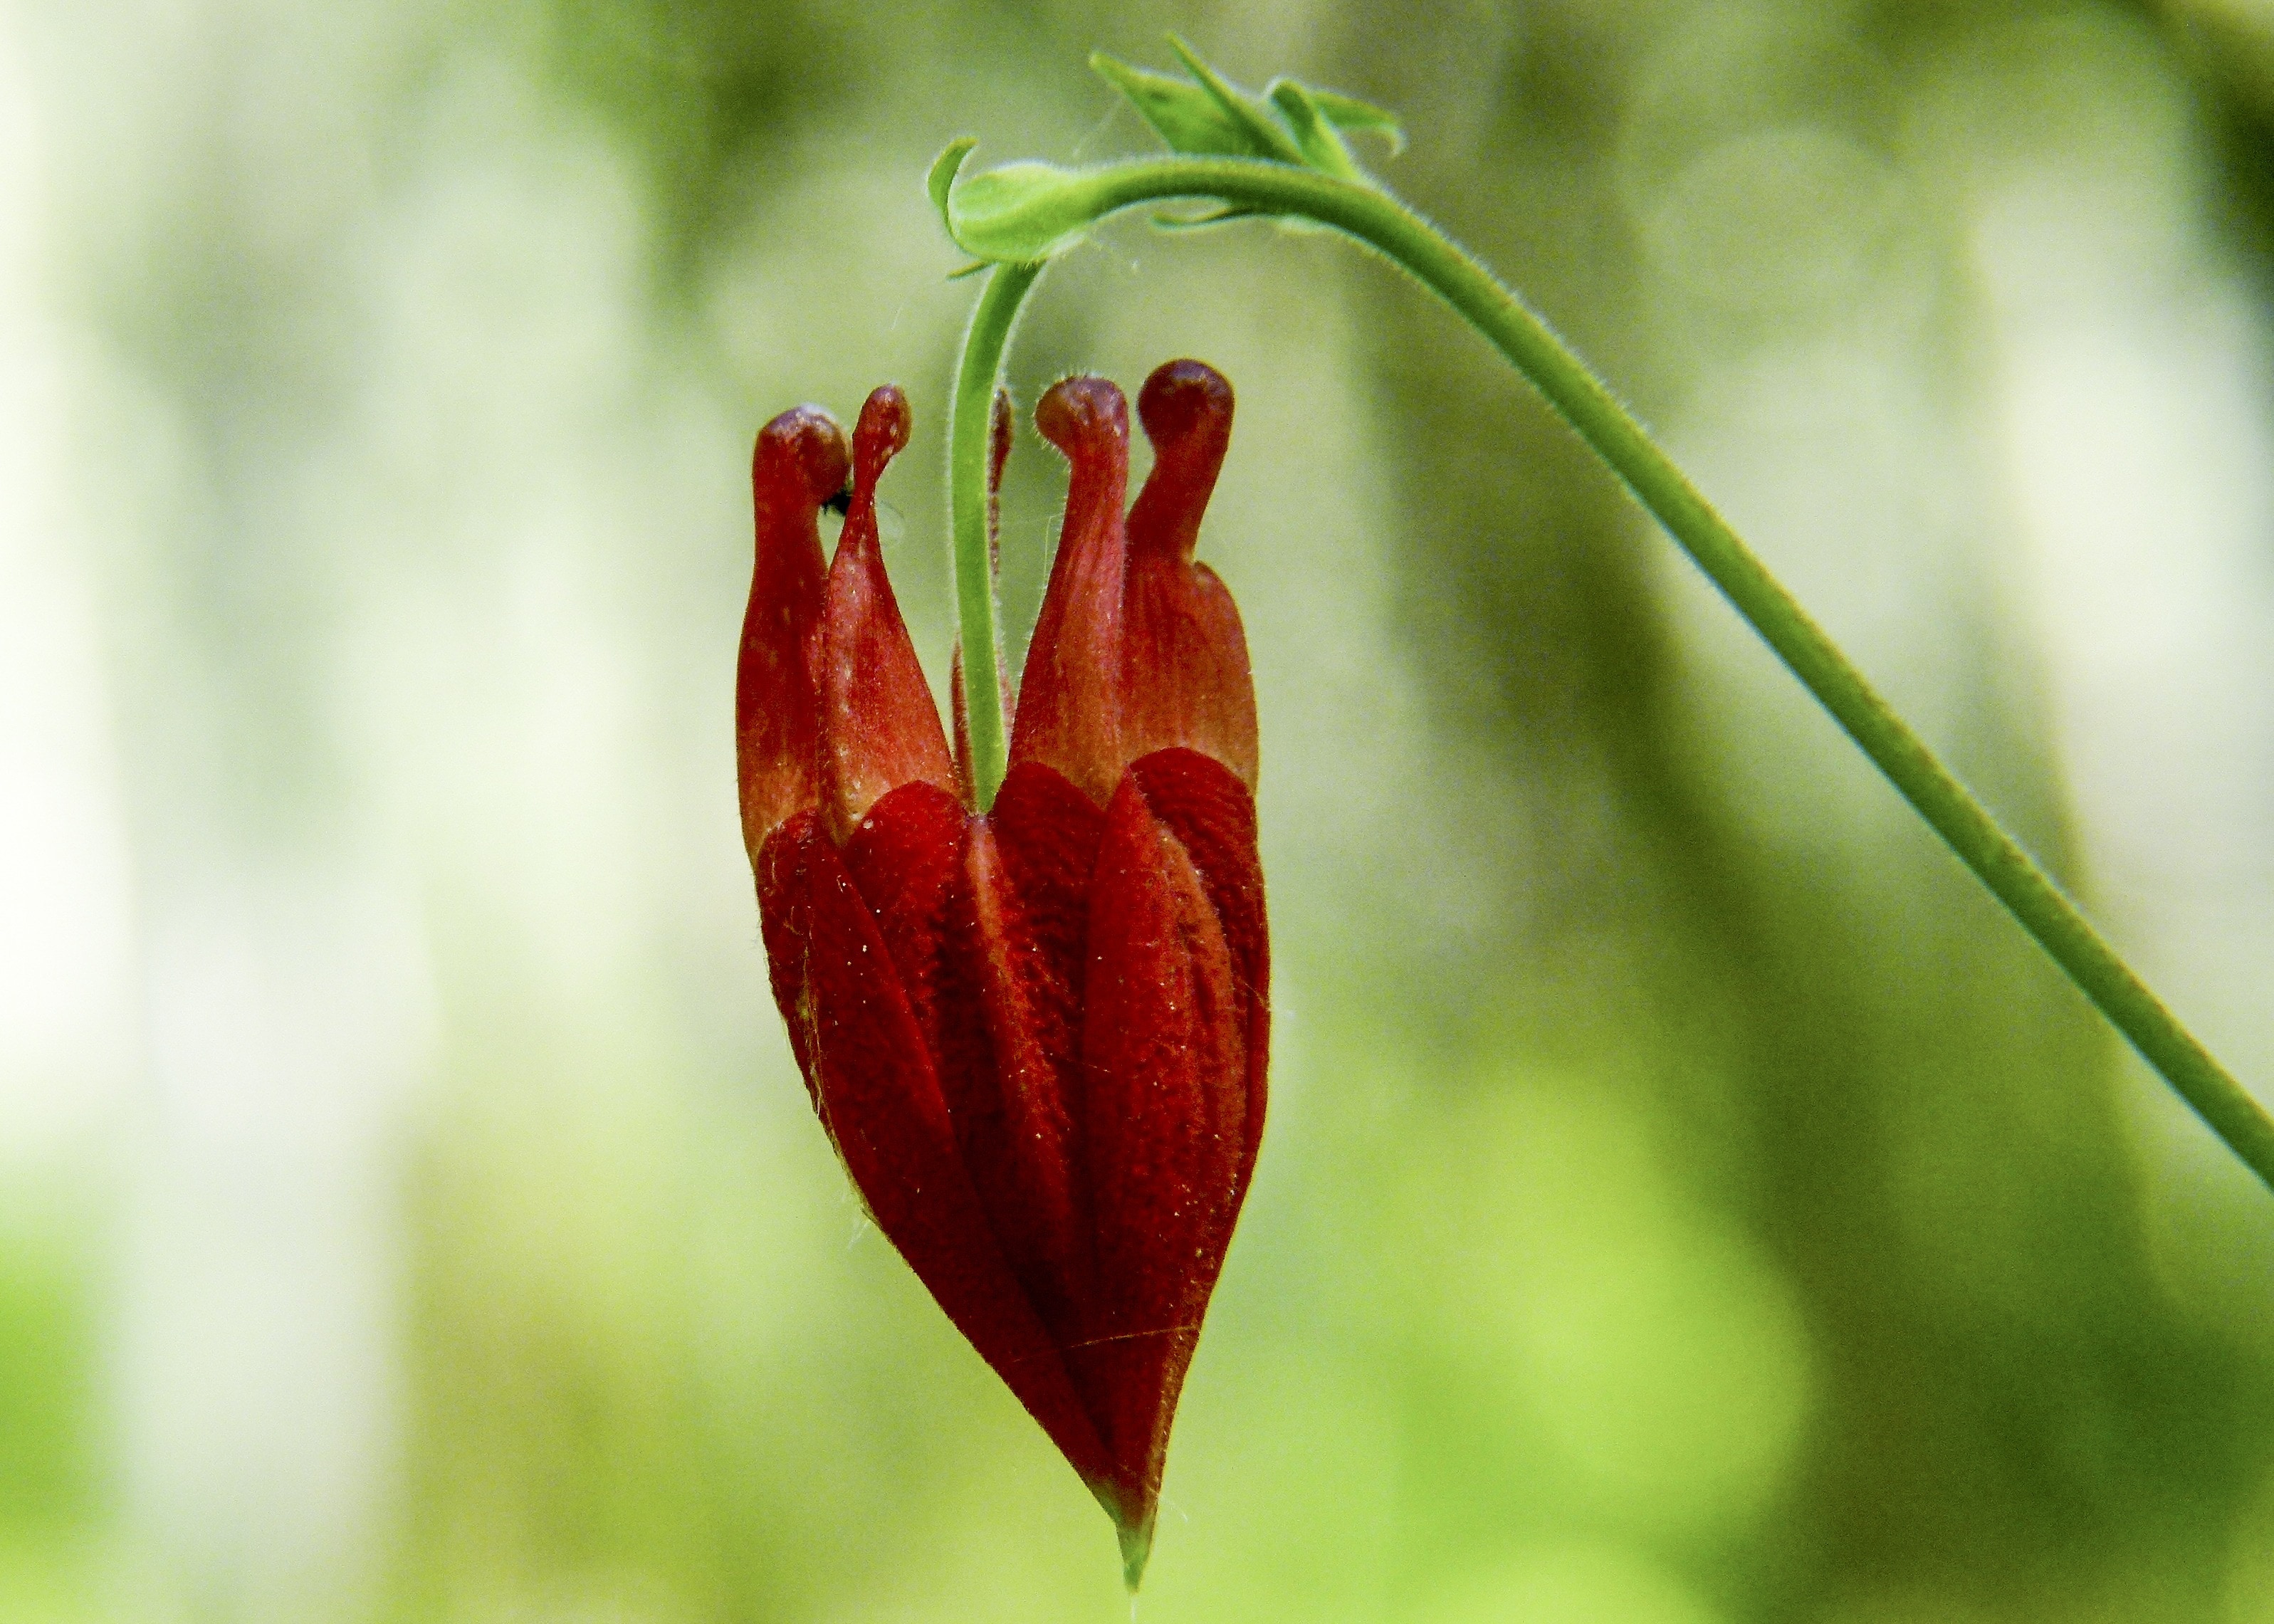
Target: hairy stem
1383, 222
983, 344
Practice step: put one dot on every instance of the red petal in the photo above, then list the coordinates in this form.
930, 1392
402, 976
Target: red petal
1069, 713
999, 451
799, 463
785, 923
1027, 904
1049, 832
1212, 815
1165, 1119
906, 859
880, 1100
1185, 675
879, 727
960, 710
1010, 1094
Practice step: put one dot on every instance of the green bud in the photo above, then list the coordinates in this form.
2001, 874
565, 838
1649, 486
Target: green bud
1019, 213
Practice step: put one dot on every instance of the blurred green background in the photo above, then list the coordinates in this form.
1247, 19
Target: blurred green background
1688, 1201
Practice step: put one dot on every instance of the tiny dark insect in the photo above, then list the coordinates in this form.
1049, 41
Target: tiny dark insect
840, 501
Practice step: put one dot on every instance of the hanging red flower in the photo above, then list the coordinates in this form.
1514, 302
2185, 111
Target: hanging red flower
1036, 1032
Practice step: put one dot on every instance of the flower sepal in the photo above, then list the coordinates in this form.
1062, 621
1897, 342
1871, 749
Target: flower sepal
1014, 214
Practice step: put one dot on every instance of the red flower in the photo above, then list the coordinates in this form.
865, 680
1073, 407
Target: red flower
1037, 1035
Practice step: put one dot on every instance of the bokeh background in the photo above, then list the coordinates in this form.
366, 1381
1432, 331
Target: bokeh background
1688, 1201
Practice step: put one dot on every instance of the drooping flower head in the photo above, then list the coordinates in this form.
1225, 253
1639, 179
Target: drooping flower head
1036, 1032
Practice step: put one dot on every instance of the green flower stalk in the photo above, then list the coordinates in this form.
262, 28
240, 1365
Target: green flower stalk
1023, 960
1281, 154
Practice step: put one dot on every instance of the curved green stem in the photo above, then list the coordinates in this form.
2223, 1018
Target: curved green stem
976, 380
1383, 222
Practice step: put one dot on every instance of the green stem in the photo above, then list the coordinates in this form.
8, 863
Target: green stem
976, 381
1383, 222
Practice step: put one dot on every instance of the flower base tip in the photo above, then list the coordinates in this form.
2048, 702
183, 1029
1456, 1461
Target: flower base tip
1136, 1551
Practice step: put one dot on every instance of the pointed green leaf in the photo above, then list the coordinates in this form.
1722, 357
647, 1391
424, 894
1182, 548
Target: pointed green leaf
1349, 113
941, 181
1321, 148
1272, 140
1182, 114
1209, 115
